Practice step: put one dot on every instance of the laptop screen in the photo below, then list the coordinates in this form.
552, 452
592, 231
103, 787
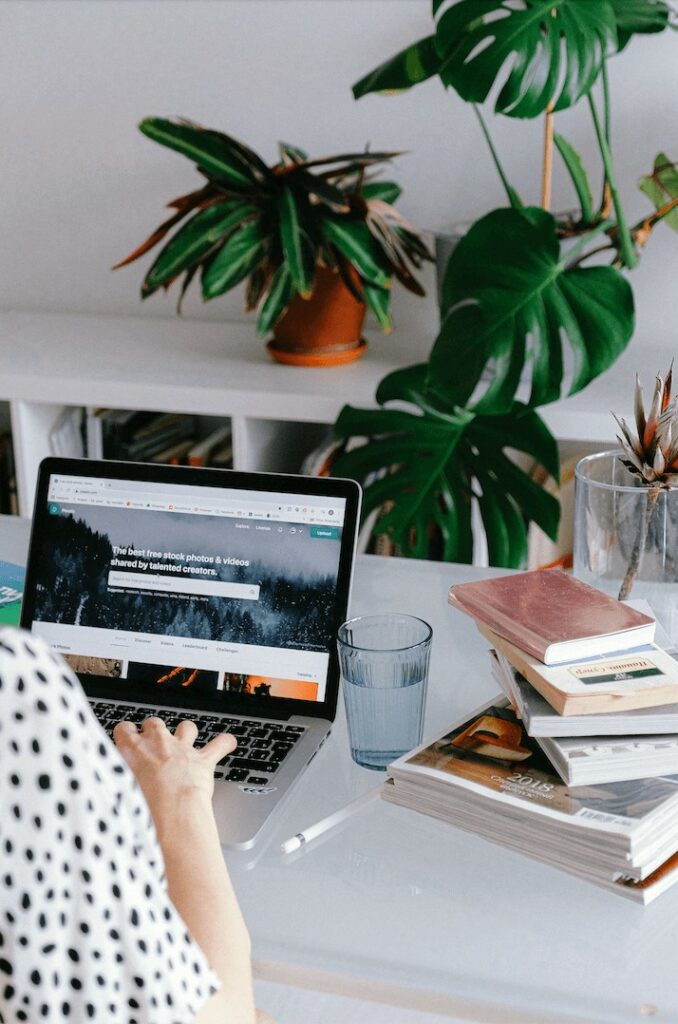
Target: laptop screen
194, 591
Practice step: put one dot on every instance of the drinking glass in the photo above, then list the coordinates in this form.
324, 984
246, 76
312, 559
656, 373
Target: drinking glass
384, 668
626, 536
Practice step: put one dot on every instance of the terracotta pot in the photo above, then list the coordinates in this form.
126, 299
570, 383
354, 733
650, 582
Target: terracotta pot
324, 330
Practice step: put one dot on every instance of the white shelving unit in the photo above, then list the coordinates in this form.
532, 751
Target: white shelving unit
52, 361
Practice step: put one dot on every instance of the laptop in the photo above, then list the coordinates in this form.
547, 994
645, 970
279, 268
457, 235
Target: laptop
206, 594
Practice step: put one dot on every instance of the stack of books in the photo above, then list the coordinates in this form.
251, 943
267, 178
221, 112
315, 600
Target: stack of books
576, 763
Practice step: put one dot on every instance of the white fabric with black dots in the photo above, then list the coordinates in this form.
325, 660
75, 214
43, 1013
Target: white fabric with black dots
87, 928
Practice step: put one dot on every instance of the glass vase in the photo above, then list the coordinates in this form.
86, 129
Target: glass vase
626, 536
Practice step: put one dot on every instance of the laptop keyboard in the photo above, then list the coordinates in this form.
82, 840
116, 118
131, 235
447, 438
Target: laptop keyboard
262, 746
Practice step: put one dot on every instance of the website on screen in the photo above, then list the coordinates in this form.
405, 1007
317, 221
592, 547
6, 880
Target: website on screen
191, 587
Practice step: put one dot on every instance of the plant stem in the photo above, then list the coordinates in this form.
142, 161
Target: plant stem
639, 546
547, 161
606, 102
641, 231
626, 247
513, 197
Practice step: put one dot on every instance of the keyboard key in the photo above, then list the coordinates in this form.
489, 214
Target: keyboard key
257, 780
251, 765
236, 775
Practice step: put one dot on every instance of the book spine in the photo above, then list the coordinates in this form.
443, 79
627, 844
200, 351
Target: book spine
498, 622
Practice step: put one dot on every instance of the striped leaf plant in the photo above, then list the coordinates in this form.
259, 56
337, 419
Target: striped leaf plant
273, 226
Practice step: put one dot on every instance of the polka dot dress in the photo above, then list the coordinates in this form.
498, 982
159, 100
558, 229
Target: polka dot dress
87, 929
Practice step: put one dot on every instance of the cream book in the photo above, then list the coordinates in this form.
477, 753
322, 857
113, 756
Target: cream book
624, 681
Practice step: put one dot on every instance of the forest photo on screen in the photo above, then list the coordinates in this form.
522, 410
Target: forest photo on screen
295, 571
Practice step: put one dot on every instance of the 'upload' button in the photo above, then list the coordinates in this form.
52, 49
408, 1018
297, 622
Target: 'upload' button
325, 532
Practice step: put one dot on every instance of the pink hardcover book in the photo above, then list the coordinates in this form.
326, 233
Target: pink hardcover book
553, 616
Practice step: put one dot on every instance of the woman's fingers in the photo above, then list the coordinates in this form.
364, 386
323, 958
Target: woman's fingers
125, 733
186, 732
153, 724
219, 747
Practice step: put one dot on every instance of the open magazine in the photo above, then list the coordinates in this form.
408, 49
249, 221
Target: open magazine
485, 774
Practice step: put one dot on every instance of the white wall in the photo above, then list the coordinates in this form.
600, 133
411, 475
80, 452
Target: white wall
81, 187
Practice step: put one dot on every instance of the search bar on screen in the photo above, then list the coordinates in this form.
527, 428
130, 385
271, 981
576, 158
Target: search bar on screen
182, 585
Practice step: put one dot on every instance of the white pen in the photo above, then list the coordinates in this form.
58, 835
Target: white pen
332, 820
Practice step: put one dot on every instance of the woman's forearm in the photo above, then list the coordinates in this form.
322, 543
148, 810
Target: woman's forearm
201, 890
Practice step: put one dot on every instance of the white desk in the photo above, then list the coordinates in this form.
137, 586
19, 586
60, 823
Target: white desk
400, 908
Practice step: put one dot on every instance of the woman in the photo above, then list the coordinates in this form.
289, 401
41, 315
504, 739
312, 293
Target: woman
116, 904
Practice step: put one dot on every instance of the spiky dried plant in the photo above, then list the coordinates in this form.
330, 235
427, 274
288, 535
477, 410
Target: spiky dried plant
653, 454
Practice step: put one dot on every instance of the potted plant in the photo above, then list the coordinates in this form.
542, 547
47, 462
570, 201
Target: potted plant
318, 241
520, 287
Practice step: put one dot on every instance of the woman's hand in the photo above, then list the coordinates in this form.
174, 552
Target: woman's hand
168, 767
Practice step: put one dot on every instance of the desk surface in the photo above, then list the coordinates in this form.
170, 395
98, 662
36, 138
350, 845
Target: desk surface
399, 907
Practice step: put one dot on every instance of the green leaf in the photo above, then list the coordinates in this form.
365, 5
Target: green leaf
280, 293
639, 16
241, 253
379, 302
504, 526
220, 156
424, 461
512, 301
323, 190
194, 240
388, 191
291, 154
661, 186
545, 51
297, 246
355, 241
577, 173
412, 65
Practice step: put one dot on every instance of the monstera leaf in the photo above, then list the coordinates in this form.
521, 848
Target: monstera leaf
639, 16
431, 462
511, 298
662, 186
554, 50
543, 50
412, 65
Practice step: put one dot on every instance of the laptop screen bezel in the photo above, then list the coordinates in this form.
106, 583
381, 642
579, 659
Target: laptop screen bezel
278, 707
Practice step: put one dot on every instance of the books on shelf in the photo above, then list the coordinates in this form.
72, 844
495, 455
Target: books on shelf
167, 438
201, 452
9, 504
487, 776
553, 616
619, 681
66, 434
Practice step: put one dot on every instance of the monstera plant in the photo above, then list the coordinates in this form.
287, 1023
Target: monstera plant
526, 293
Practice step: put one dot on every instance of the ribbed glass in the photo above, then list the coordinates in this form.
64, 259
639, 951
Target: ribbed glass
384, 667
